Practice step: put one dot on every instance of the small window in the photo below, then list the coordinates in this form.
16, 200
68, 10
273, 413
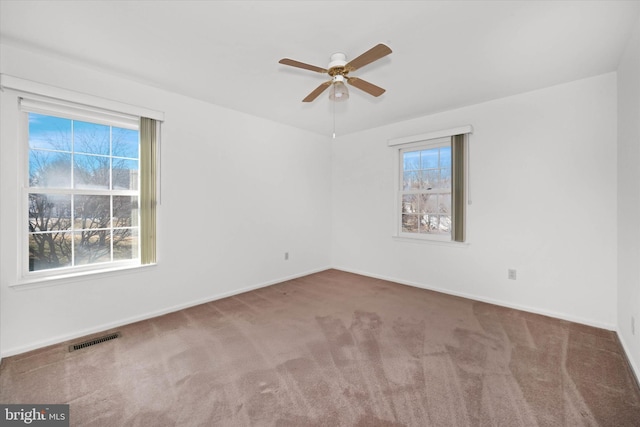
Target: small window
426, 190
87, 191
431, 192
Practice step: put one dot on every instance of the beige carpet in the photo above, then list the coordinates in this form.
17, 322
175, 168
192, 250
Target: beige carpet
337, 349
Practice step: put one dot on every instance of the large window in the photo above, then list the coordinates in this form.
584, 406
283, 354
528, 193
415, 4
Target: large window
90, 189
431, 191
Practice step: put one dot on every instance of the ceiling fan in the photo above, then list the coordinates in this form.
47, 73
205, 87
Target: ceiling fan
339, 69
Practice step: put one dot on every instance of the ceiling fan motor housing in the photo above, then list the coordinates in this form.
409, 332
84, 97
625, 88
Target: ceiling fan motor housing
338, 61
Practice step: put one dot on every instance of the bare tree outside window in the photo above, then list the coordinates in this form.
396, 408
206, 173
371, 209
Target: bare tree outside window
83, 193
426, 191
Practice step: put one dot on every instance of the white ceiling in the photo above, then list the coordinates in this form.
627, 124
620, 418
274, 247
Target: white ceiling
446, 54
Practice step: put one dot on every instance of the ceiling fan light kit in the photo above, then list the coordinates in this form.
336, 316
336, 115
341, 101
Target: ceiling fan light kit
339, 91
339, 69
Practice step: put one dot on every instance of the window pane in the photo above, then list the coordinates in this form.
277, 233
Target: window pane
445, 178
49, 212
411, 160
410, 223
124, 143
445, 157
411, 180
444, 203
50, 133
429, 158
430, 179
125, 174
125, 211
91, 246
49, 169
91, 138
422, 205
92, 212
125, 244
49, 250
91, 171
429, 203
445, 224
429, 224
410, 203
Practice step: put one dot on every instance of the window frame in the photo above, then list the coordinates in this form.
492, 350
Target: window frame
21, 89
26, 108
418, 146
426, 141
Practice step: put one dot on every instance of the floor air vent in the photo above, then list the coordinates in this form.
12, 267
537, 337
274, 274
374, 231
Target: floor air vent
94, 341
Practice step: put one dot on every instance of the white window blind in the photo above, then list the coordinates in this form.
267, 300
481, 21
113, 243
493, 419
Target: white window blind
36, 89
58, 108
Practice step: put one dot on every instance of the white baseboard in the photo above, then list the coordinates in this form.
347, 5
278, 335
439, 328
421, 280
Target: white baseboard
634, 367
109, 326
557, 315
117, 324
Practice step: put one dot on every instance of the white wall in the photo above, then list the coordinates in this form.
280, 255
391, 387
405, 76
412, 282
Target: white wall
629, 198
543, 187
237, 192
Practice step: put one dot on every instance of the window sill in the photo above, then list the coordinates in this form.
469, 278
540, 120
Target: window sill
26, 283
423, 240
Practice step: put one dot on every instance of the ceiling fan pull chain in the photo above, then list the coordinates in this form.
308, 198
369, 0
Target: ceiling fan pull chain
333, 104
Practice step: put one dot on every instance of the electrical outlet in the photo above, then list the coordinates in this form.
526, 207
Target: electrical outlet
633, 325
286, 256
512, 274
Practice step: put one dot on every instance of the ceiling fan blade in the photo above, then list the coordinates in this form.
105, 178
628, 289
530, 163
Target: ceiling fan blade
317, 91
364, 85
291, 62
373, 54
